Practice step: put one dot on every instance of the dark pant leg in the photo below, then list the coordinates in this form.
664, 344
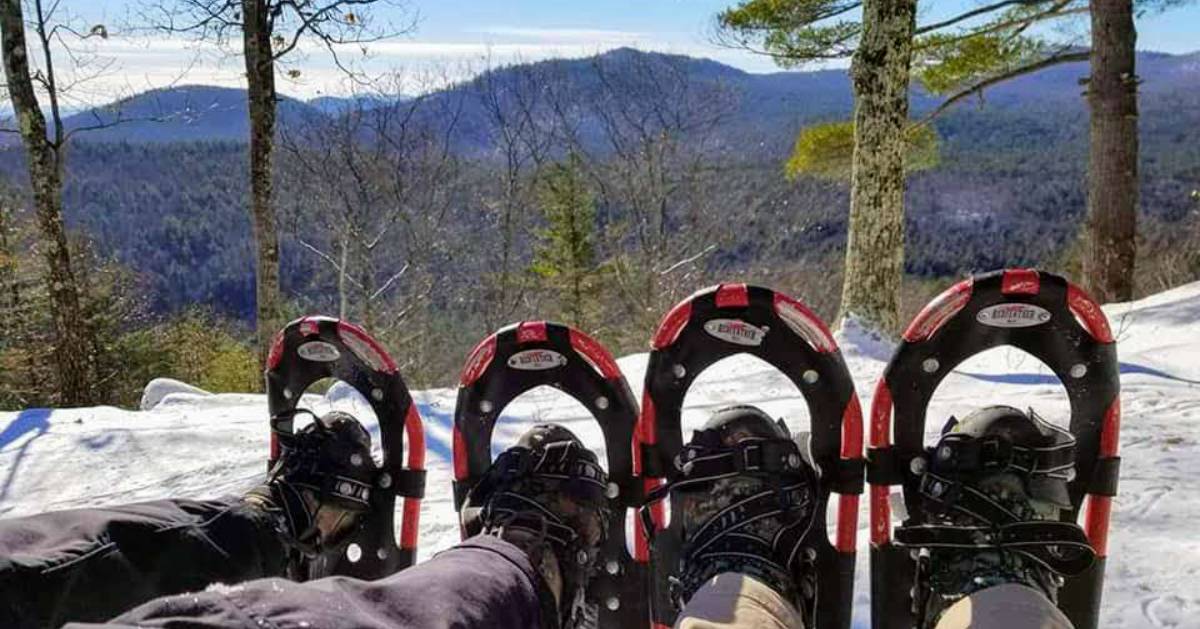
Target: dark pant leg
483, 582
91, 564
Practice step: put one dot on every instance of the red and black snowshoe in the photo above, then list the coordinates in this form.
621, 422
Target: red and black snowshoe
1060, 325
733, 319
530, 354
313, 348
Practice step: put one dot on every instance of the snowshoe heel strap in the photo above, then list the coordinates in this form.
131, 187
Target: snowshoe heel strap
699, 464
576, 467
960, 454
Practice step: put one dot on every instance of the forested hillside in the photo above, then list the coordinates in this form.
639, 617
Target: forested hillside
683, 163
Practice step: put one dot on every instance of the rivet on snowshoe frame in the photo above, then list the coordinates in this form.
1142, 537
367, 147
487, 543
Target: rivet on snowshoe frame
917, 465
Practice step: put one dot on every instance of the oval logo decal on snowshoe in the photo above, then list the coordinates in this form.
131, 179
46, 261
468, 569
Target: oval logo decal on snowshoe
319, 352
536, 360
1013, 316
736, 331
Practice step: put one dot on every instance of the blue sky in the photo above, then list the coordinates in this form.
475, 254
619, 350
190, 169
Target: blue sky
456, 38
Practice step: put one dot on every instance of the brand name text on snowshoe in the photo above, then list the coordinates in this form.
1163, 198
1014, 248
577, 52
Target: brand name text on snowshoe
536, 360
736, 331
318, 351
1013, 316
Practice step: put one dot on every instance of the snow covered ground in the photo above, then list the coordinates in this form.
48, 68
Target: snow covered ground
194, 444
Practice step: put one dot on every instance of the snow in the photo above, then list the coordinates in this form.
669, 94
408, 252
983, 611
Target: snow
159, 389
189, 443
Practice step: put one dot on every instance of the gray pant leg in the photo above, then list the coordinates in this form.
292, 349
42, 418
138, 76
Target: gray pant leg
90, 564
735, 600
1007, 606
483, 582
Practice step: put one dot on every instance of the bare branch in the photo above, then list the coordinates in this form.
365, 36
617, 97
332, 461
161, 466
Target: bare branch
1000, 78
688, 260
391, 280
928, 28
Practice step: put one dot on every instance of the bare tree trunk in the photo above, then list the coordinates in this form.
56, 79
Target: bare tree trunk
343, 298
1108, 260
260, 75
875, 244
72, 346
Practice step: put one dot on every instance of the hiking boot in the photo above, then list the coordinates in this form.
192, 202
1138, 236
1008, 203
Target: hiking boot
747, 494
993, 495
546, 495
320, 488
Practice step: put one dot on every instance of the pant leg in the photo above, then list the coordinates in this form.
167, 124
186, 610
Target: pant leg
735, 600
90, 564
483, 582
1005, 606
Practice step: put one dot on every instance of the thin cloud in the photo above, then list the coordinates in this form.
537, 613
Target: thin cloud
575, 35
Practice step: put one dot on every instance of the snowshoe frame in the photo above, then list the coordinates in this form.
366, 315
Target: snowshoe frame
1060, 325
530, 354
729, 319
316, 347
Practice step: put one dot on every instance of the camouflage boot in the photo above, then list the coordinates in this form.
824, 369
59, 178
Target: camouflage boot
545, 495
992, 495
747, 492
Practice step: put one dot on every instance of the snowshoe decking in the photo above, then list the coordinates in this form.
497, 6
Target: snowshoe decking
730, 319
530, 354
313, 348
1057, 323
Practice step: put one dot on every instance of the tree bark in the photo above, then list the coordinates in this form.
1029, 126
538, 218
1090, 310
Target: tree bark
260, 76
1111, 247
875, 243
72, 346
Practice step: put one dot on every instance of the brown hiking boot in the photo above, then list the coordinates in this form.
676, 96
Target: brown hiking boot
747, 493
320, 487
545, 495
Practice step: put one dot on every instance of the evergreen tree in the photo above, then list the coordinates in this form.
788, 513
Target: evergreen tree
565, 252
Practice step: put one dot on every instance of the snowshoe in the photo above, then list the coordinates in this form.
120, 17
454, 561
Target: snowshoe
1059, 324
530, 354
731, 319
314, 348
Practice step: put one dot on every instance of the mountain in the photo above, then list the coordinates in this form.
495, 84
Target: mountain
1010, 188
766, 110
338, 105
179, 114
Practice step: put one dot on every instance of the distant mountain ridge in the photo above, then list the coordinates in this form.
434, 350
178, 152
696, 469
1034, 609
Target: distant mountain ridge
180, 114
771, 106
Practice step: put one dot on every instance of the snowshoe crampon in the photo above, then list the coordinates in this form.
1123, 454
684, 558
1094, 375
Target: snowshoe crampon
1052, 320
734, 319
527, 355
314, 348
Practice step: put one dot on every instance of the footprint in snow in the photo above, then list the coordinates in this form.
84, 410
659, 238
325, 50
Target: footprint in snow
1172, 611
